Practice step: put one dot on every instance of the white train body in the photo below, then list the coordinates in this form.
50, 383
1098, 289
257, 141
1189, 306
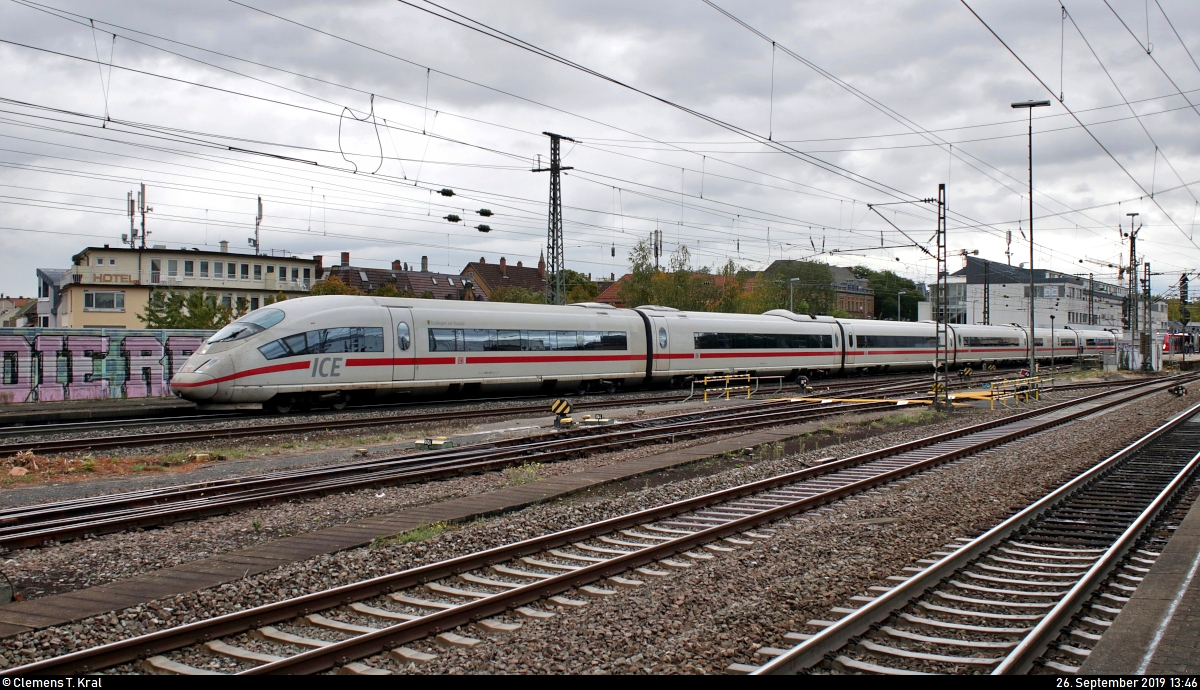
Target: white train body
328, 348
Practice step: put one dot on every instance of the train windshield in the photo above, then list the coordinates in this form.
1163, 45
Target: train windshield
255, 322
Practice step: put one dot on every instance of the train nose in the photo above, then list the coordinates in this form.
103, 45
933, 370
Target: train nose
194, 386
199, 378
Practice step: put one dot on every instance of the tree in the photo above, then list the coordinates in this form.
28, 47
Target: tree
333, 285
639, 289
272, 299
886, 286
580, 288
202, 311
192, 310
813, 287
517, 295
389, 290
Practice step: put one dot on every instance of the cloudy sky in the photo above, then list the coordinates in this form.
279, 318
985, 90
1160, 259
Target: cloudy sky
348, 117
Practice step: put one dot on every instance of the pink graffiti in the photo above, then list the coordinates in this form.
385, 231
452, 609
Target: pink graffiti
84, 350
179, 348
48, 348
143, 358
16, 384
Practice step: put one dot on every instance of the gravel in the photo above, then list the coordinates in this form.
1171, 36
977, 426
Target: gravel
697, 620
83, 563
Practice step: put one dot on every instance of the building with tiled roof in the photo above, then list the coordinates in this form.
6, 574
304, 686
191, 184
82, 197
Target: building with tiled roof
405, 278
491, 277
612, 293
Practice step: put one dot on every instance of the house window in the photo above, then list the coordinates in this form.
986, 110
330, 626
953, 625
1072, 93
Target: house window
189, 269
218, 269
112, 262
172, 267
204, 269
270, 270
227, 301
104, 301
245, 271
307, 274
99, 261
258, 271
232, 272
295, 274
155, 270
283, 272
253, 303
45, 322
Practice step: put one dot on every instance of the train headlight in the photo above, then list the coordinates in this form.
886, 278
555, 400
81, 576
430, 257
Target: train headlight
200, 369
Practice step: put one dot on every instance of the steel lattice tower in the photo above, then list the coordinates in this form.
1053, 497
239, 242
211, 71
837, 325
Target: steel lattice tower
556, 289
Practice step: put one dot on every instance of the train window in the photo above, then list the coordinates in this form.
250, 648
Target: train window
896, 341
761, 341
612, 340
488, 340
508, 341
1037, 342
326, 340
567, 340
479, 339
991, 341
1091, 342
402, 340
537, 341
662, 338
1066, 342
274, 350
441, 340
254, 322
1105, 342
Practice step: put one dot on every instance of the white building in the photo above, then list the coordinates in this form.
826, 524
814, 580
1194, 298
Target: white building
1072, 300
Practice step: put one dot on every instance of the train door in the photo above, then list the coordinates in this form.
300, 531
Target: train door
404, 346
849, 347
662, 343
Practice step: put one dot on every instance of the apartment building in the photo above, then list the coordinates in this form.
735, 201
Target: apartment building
107, 287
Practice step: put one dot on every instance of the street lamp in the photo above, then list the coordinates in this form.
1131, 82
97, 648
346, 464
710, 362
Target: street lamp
791, 284
1030, 105
902, 292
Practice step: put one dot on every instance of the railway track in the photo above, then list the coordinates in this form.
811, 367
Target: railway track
32, 525
1050, 579
917, 386
364, 627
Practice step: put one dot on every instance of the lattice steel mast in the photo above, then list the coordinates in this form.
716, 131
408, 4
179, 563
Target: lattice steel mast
556, 289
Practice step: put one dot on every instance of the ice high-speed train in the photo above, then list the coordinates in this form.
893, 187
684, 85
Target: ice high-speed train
324, 350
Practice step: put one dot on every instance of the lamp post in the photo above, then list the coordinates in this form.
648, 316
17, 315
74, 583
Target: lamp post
791, 285
902, 292
1030, 105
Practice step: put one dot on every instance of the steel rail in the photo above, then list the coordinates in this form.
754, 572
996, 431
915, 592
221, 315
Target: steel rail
130, 649
150, 496
209, 434
142, 497
1034, 645
812, 651
107, 514
427, 468
112, 514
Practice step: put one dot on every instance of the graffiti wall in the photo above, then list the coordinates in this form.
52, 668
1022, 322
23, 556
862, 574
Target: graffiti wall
49, 364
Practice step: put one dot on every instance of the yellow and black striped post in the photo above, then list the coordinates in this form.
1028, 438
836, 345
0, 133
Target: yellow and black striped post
560, 407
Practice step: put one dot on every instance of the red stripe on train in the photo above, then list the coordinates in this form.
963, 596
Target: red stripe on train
290, 366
